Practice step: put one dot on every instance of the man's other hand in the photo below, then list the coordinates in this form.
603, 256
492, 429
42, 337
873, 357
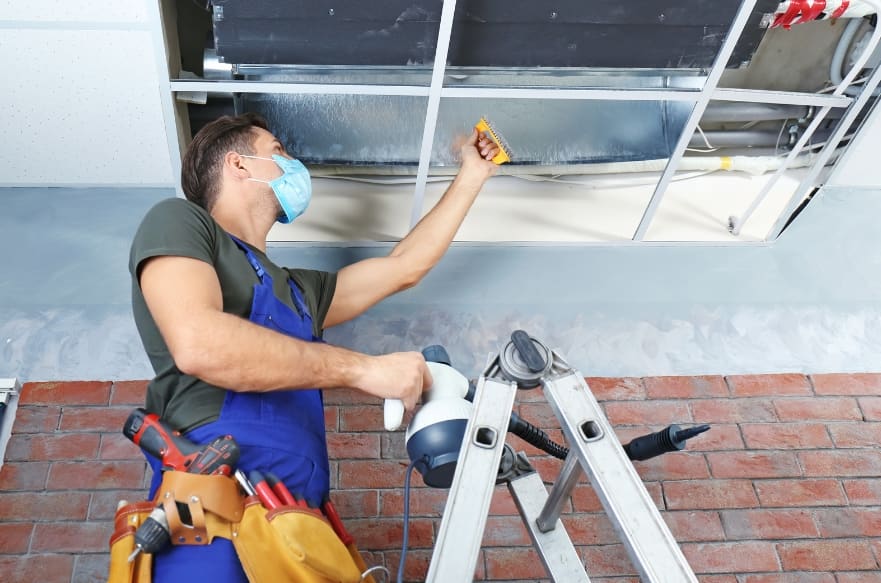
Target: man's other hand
477, 153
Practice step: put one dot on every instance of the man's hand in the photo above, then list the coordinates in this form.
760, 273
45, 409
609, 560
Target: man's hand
400, 375
477, 153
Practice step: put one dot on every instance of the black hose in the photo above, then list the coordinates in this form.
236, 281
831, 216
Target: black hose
535, 436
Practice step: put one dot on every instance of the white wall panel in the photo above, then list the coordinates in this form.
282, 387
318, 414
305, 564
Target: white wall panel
74, 10
81, 107
859, 165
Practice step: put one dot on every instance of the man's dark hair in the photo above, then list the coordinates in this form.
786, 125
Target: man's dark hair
203, 161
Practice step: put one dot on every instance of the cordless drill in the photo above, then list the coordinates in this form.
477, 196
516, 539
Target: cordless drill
177, 453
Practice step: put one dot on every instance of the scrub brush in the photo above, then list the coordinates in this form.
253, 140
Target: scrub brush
486, 128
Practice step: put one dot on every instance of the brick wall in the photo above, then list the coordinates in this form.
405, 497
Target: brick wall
785, 488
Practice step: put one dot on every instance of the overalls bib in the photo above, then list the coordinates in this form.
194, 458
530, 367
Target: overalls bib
278, 431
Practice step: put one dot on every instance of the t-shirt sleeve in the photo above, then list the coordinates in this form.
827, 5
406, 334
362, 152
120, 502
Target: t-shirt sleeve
318, 289
172, 227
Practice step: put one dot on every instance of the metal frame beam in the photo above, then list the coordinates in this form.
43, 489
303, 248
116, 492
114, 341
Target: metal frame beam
743, 15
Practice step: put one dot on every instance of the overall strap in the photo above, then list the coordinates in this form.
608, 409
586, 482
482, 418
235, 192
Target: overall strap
252, 259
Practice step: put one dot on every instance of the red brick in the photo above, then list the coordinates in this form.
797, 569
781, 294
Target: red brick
800, 493
719, 437
43, 506
847, 384
584, 499
647, 412
66, 393
104, 502
35, 419
516, 563
23, 475
694, 525
349, 397
871, 407
392, 446
674, 466
547, 467
785, 435
855, 434
72, 537
373, 474
864, 577
361, 419
844, 463
768, 524
802, 577
735, 557
353, 445
709, 494
129, 393
589, 529
69, 446
109, 419
331, 418
505, 531
379, 533
616, 389
608, 560
96, 475
750, 464
416, 567
685, 387
91, 567
15, 537
733, 410
818, 409
863, 492
848, 522
356, 503
32, 568
427, 502
769, 385
116, 446
823, 555
502, 504
540, 415
717, 579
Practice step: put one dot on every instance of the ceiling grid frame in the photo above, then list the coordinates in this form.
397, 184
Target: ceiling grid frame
701, 97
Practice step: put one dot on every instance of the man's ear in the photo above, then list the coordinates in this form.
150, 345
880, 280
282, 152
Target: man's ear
233, 164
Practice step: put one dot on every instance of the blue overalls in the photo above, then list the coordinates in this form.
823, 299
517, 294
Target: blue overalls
278, 431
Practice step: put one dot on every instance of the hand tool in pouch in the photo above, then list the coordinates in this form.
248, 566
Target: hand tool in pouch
175, 453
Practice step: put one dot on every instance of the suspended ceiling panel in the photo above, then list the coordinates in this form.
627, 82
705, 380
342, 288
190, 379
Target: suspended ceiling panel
82, 105
81, 11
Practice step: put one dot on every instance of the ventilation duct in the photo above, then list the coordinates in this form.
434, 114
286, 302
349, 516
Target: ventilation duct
642, 44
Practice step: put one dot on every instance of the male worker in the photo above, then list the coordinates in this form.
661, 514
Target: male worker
235, 340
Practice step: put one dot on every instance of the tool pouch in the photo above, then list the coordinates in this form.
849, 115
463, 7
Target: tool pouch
289, 543
292, 544
122, 543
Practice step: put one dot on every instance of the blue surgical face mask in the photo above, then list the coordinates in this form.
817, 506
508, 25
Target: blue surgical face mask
293, 188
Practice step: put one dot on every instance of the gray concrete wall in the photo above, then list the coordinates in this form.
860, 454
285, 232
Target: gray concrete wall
809, 303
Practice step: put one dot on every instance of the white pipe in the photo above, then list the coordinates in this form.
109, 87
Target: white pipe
840, 54
753, 165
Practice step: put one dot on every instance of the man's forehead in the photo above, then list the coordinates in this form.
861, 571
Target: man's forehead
264, 136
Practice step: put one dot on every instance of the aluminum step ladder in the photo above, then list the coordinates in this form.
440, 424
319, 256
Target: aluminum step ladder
593, 448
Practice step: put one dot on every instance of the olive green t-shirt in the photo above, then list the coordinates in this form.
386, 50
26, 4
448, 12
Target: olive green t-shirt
178, 227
